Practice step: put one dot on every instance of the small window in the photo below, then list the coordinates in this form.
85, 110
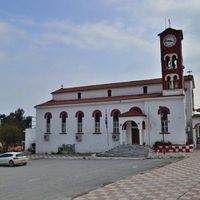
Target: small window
145, 90
79, 95
109, 93
143, 125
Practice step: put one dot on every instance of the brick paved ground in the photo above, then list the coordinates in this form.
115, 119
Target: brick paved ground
179, 180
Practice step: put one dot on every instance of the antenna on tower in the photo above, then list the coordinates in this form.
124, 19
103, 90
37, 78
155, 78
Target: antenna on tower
189, 72
169, 23
165, 23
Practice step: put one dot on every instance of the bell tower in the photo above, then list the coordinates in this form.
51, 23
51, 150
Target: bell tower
172, 61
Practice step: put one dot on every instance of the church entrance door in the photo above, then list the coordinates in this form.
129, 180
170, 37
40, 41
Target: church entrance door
135, 134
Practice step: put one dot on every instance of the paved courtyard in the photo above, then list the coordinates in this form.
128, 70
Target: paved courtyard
53, 177
177, 181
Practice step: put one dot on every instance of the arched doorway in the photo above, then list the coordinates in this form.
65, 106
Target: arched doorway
135, 133
131, 133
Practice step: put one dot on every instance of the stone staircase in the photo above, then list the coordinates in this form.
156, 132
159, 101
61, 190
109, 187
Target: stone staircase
136, 151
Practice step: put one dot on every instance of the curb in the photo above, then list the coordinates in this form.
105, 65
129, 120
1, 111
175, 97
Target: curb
38, 157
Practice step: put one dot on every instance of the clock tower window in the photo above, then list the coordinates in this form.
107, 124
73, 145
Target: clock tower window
172, 81
175, 82
169, 83
170, 61
174, 61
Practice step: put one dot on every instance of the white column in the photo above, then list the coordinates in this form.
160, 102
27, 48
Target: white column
124, 137
140, 135
121, 137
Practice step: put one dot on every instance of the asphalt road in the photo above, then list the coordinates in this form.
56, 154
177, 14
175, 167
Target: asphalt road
59, 179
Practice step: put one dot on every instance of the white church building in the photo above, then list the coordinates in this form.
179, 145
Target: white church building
96, 118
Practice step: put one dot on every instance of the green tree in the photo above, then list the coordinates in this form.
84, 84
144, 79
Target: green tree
12, 128
10, 133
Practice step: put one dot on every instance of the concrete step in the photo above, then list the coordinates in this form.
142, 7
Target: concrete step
126, 151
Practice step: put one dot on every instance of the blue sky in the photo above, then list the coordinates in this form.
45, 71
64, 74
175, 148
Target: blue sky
48, 43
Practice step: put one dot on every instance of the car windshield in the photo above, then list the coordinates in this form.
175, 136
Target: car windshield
5, 155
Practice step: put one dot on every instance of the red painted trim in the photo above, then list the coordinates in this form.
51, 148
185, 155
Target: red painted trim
114, 111
134, 111
99, 99
115, 85
163, 108
108, 86
79, 113
63, 113
47, 114
137, 109
96, 111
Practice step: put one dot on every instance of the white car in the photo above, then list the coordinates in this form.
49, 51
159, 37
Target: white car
13, 158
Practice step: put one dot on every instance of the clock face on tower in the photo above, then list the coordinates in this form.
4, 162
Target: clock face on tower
169, 40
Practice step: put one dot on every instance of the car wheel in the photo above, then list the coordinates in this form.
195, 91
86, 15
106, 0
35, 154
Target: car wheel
24, 163
11, 163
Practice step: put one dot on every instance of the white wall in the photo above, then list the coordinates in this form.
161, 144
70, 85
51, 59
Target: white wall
189, 104
30, 137
177, 120
97, 143
103, 93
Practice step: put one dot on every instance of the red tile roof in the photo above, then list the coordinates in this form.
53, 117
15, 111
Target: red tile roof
115, 85
108, 86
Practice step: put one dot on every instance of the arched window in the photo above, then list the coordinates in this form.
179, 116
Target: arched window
143, 125
109, 93
97, 116
174, 62
48, 117
63, 116
115, 114
164, 111
171, 61
164, 122
167, 62
175, 82
116, 122
79, 116
169, 85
